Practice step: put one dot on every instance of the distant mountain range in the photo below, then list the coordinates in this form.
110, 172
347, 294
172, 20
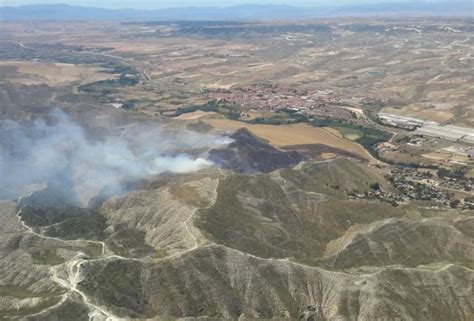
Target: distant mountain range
241, 12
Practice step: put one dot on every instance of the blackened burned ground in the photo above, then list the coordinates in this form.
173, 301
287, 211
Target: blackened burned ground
315, 151
318, 241
248, 154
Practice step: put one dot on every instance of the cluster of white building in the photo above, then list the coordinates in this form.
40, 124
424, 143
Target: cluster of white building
404, 122
430, 128
448, 132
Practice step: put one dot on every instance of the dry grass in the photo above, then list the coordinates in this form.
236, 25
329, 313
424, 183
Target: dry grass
195, 115
437, 156
336, 245
290, 135
403, 157
428, 82
470, 173
440, 156
328, 155
187, 194
31, 73
422, 112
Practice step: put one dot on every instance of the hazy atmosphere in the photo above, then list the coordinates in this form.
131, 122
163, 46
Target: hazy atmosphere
236, 160
151, 4
55, 150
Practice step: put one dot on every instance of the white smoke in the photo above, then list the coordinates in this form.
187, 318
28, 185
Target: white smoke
58, 151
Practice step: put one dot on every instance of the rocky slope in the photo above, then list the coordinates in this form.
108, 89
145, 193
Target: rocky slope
219, 283
216, 245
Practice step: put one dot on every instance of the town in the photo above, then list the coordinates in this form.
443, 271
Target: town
274, 98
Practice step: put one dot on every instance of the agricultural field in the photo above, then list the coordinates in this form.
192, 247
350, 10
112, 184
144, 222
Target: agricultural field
420, 71
291, 135
236, 170
52, 74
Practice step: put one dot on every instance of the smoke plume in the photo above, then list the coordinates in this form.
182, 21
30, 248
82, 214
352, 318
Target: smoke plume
58, 152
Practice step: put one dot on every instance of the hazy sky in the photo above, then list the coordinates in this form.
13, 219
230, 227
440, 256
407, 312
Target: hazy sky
153, 4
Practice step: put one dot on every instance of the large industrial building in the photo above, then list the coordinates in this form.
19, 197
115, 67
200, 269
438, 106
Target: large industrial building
430, 128
448, 132
404, 122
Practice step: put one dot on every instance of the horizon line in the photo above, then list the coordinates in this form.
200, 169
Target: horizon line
315, 6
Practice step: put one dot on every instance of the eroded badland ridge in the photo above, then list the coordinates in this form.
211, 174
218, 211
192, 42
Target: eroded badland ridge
317, 170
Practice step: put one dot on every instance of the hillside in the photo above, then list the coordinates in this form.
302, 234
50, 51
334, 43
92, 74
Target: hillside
252, 162
286, 245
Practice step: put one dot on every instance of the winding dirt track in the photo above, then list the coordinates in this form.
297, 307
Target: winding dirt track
68, 275
72, 277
